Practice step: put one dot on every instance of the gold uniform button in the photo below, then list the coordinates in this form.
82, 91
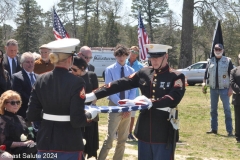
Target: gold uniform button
153, 91
153, 96
155, 75
159, 70
154, 85
155, 79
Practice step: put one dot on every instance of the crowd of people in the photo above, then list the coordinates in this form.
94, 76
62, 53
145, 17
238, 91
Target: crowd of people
43, 98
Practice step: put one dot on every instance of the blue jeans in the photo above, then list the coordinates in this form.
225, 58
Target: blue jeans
152, 151
223, 93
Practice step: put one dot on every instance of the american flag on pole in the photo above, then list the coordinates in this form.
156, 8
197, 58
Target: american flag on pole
142, 38
58, 29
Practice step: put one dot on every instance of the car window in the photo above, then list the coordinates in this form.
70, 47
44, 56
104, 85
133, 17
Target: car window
204, 66
198, 66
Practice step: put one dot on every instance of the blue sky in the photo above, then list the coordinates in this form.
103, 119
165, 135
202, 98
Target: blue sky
175, 5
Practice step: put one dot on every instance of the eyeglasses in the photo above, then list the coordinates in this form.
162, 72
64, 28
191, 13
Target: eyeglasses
74, 69
87, 57
217, 49
134, 52
14, 102
1, 56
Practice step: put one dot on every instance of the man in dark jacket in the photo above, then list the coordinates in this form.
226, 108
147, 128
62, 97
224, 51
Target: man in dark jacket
11, 59
235, 84
86, 53
163, 88
23, 80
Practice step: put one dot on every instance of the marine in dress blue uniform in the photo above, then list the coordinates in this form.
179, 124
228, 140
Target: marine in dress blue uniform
164, 87
57, 100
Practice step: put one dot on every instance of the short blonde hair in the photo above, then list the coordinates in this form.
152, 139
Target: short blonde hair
7, 95
55, 58
135, 47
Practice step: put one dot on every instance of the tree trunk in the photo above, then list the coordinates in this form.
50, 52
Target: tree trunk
187, 33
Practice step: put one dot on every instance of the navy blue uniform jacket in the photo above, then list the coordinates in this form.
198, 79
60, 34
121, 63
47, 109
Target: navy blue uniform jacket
164, 87
58, 92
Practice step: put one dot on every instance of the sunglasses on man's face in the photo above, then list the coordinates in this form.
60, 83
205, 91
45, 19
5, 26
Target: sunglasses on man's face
14, 102
217, 49
87, 57
134, 51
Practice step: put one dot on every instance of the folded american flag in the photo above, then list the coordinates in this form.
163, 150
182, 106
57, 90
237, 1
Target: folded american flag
117, 109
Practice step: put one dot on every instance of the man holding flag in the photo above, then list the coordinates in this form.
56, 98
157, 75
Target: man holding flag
162, 89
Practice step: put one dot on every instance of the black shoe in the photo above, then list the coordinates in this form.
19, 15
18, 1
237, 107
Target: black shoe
131, 138
212, 131
230, 134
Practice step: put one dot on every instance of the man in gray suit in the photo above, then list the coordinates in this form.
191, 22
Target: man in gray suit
86, 53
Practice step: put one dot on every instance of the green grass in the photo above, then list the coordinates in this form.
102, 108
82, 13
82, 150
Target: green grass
194, 115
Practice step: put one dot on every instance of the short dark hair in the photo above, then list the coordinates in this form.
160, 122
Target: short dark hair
121, 50
80, 63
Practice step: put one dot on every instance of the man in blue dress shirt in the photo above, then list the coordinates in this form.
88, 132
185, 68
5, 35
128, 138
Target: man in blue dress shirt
117, 122
133, 62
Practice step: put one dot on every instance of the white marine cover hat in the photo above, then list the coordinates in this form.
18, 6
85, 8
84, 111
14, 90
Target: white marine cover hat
157, 50
66, 45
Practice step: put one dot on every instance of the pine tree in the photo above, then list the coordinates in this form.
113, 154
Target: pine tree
151, 10
29, 26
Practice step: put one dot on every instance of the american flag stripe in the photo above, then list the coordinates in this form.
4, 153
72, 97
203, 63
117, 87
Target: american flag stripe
58, 29
142, 38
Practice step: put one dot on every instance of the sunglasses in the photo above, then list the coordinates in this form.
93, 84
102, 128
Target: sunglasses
14, 102
87, 57
74, 69
217, 49
134, 52
1, 56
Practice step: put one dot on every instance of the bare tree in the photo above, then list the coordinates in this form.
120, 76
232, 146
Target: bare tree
8, 9
198, 8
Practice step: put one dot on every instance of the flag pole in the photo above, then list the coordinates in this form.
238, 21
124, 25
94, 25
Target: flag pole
217, 37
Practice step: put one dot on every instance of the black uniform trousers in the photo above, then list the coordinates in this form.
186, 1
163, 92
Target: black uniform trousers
237, 121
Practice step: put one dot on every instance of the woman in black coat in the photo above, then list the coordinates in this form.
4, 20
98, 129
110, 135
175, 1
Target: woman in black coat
90, 132
14, 133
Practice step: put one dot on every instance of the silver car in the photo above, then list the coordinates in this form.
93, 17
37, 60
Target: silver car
195, 72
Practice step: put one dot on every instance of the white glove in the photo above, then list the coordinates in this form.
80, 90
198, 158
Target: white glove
143, 98
140, 100
30, 145
90, 97
94, 112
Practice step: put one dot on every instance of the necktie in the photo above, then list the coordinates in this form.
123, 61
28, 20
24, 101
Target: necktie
13, 66
122, 94
32, 79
